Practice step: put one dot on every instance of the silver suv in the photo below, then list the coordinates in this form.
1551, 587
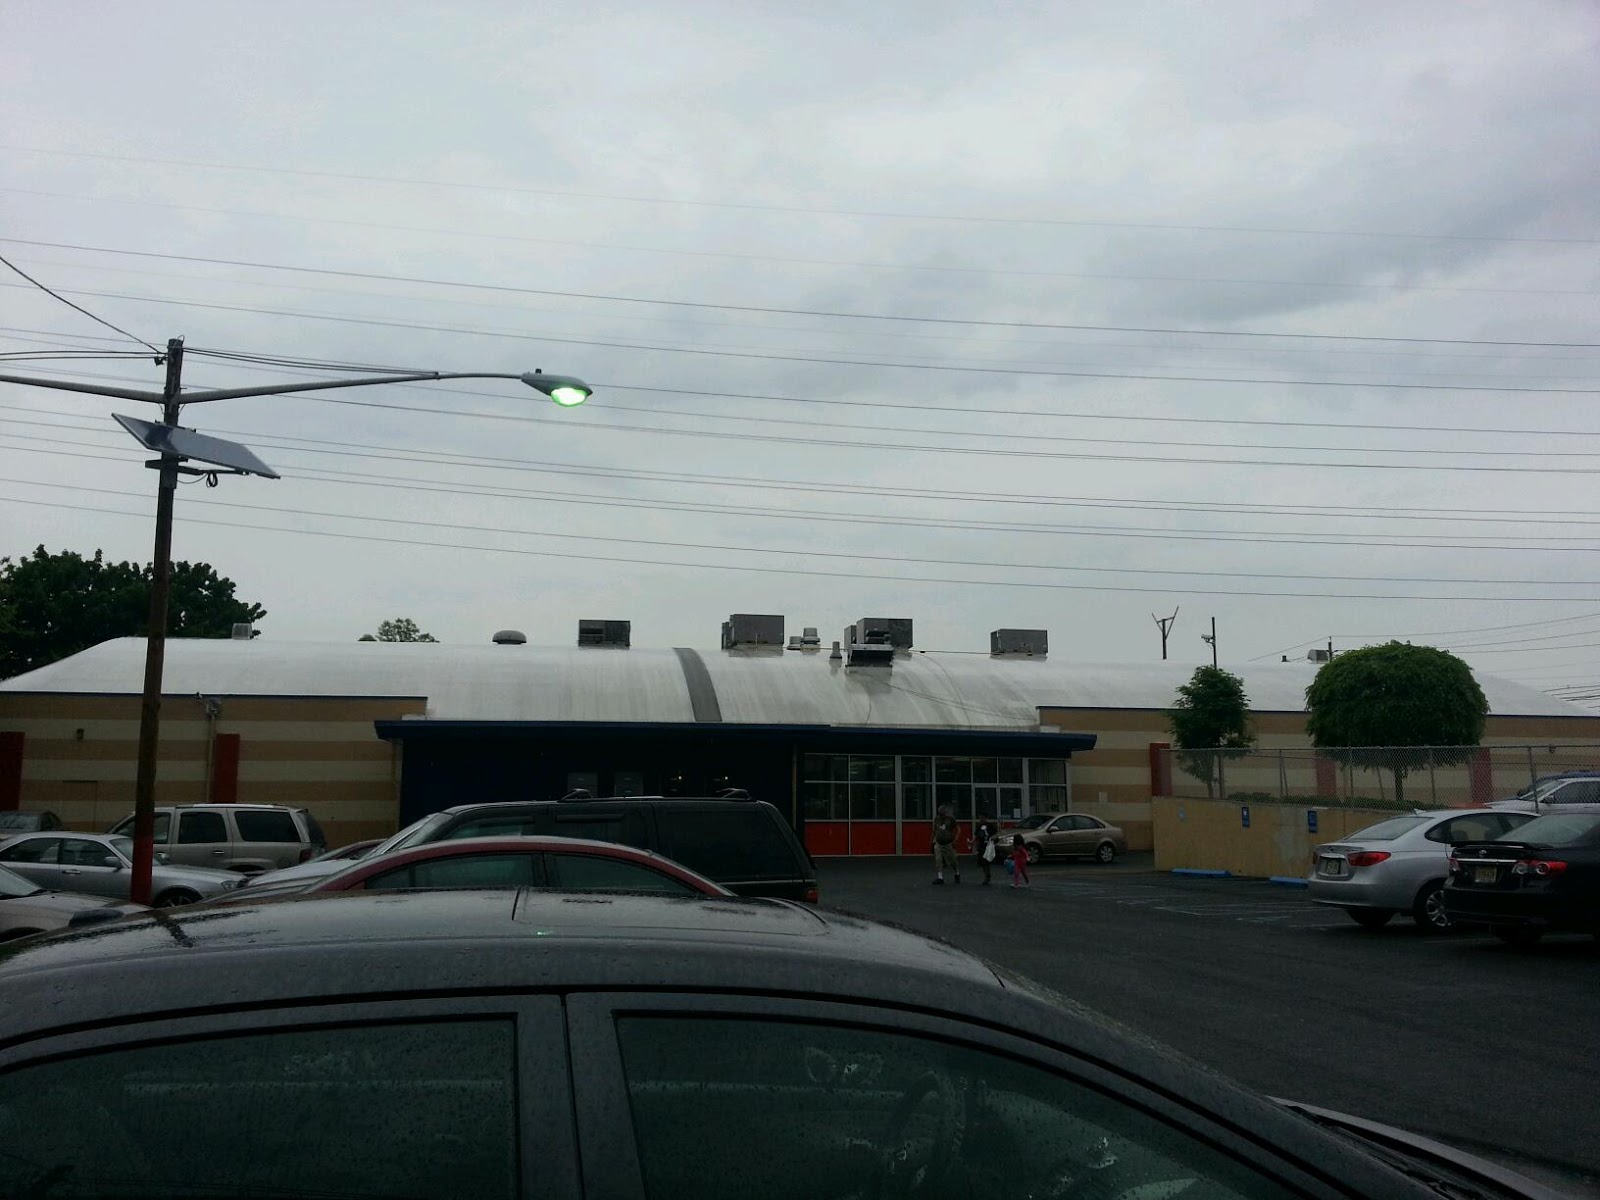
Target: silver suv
249, 838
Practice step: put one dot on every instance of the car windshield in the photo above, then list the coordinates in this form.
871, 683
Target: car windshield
122, 845
412, 835
1033, 822
14, 886
1563, 829
1387, 831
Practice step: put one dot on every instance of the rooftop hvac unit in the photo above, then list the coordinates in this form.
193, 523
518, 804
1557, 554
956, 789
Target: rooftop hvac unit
1019, 642
872, 641
1319, 655
617, 634
243, 631
752, 629
510, 637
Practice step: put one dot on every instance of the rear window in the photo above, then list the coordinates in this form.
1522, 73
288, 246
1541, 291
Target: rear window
201, 829
1565, 829
732, 842
1387, 831
265, 825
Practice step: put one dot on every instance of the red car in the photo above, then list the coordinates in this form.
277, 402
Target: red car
553, 863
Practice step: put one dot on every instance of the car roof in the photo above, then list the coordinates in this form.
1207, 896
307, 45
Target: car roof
513, 805
520, 842
330, 945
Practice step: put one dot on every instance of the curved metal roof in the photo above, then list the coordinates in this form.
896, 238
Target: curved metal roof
776, 687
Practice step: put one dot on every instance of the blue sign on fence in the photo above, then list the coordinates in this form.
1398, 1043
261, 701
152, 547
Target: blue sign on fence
1311, 820
1244, 816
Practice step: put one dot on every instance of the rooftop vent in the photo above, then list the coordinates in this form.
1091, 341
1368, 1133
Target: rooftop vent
243, 631
510, 637
1019, 643
1317, 656
808, 641
618, 634
752, 629
872, 641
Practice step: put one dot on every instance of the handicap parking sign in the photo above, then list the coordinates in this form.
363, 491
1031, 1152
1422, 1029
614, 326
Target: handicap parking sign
1244, 816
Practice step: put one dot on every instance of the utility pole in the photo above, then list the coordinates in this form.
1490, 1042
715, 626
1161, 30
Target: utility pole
1211, 640
155, 642
1165, 624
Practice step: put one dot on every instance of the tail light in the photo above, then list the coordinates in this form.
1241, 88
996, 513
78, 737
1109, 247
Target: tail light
811, 895
1455, 865
1538, 866
1366, 858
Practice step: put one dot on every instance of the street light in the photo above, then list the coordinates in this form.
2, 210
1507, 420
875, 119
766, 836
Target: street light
564, 390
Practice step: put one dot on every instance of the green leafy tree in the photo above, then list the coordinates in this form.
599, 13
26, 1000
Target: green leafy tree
54, 605
1210, 723
1374, 701
401, 629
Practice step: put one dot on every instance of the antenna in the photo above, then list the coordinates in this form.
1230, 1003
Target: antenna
1166, 624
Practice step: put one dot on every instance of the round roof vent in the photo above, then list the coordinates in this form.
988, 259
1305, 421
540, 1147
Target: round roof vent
510, 637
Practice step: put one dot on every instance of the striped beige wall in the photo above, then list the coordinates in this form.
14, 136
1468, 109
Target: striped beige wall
80, 756
1112, 781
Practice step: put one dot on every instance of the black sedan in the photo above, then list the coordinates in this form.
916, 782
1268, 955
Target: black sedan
500, 1043
1544, 877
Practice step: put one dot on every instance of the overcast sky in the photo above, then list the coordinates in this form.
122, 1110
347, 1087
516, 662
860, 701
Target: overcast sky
907, 309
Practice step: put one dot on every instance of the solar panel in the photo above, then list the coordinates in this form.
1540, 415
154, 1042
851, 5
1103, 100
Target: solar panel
186, 443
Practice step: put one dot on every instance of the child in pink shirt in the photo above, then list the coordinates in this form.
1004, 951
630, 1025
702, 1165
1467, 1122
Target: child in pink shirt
1019, 863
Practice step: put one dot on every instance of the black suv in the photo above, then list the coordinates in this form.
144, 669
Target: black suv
745, 845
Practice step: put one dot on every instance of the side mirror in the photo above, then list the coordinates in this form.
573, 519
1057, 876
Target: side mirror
162, 857
112, 861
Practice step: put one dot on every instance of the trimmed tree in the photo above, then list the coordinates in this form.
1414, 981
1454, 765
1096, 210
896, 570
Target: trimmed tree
1210, 723
1372, 702
401, 629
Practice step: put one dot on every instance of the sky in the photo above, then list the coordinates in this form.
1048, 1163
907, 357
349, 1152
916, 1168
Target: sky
1056, 316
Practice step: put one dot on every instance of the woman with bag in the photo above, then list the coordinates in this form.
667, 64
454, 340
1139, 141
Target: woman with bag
983, 843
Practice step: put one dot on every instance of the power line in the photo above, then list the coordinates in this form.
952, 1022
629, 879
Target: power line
979, 410
877, 334
831, 487
1119, 532
789, 260
819, 360
794, 312
833, 554
77, 307
1058, 222
807, 572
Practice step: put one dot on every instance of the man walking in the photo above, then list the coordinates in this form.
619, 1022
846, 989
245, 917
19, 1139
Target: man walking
944, 845
986, 834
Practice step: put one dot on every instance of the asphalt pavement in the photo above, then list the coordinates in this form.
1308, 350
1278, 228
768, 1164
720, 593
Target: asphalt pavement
1457, 1036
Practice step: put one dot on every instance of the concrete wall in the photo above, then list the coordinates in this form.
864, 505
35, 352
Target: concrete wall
1211, 835
79, 757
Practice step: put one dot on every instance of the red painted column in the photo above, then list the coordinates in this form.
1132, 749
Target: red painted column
10, 771
1480, 777
1160, 769
1327, 776
225, 768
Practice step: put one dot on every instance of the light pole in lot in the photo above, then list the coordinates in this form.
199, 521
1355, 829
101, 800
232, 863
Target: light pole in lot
177, 446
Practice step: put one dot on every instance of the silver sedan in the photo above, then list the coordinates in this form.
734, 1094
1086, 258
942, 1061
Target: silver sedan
1400, 865
26, 908
101, 864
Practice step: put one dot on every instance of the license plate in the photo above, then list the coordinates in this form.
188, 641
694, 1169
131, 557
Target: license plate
1331, 867
1485, 874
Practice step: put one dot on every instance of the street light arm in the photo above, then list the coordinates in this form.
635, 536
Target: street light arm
92, 388
276, 389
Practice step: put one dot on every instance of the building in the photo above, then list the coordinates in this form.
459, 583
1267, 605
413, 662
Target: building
857, 742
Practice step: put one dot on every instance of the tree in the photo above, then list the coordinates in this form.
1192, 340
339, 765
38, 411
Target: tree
401, 629
54, 605
1210, 722
1371, 700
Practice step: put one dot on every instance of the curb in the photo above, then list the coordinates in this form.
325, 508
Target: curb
1205, 874
1289, 880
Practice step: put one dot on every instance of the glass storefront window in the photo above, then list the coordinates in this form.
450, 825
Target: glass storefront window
1047, 770
872, 801
1010, 770
952, 770
871, 768
1049, 799
916, 801
916, 770
983, 770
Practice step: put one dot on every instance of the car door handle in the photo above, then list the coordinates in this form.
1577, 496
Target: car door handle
219, 852
71, 871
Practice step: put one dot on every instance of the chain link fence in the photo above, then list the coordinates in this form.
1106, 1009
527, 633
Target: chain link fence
1400, 777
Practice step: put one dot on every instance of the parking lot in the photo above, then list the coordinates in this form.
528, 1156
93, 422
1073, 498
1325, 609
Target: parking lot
1455, 1036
